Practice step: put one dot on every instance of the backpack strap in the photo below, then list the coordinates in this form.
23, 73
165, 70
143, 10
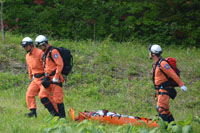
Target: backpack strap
154, 69
160, 67
50, 56
49, 50
44, 56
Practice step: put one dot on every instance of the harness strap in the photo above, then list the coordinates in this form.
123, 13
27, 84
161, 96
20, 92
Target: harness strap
49, 50
163, 109
156, 87
161, 69
45, 55
154, 69
53, 73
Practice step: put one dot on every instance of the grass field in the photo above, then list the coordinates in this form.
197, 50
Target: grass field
106, 75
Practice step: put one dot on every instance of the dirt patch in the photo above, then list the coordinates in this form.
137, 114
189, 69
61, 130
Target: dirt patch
13, 66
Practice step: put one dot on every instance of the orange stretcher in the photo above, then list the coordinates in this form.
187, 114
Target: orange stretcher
105, 117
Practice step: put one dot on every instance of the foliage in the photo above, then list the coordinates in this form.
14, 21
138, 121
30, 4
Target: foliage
122, 20
10, 80
106, 75
61, 125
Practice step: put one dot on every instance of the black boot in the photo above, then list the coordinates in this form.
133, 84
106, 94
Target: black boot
31, 114
164, 117
170, 118
61, 110
45, 101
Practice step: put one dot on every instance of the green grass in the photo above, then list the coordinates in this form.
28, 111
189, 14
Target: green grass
106, 75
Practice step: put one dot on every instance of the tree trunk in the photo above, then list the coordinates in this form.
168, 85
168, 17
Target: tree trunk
2, 26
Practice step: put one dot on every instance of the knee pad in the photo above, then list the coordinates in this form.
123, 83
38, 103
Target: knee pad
45, 101
161, 109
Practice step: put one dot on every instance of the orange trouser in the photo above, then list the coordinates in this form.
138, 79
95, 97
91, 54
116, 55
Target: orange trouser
35, 88
57, 93
163, 102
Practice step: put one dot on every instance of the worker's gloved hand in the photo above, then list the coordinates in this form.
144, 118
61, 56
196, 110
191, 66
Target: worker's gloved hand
55, 80
184, 88
46, 82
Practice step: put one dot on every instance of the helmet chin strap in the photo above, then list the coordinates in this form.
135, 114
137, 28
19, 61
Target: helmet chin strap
151, 57
30, 49
45, 47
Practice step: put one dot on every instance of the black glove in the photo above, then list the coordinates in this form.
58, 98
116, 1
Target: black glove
46, 82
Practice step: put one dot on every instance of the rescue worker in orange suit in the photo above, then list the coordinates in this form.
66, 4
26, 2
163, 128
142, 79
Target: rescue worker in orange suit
36, 73
53, 67
160, 79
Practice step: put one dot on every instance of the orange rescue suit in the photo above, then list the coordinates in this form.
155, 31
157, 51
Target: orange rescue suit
35, 67
163, 100
57, 66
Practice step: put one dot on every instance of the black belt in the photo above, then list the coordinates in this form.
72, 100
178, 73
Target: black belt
164, 85
157, 87
163, 93
59, 84
52, 74
38, 75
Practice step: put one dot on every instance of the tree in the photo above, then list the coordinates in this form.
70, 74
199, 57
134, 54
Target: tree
2, 26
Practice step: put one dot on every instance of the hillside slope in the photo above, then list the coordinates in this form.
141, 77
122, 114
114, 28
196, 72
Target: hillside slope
106, 75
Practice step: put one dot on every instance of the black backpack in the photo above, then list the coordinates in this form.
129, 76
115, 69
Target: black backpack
66, 57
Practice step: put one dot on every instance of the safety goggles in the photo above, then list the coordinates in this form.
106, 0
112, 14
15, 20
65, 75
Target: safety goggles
38, 44
24, 43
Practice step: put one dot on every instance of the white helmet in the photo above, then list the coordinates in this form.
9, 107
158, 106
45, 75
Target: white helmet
26, 41
40, 40
155, 49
